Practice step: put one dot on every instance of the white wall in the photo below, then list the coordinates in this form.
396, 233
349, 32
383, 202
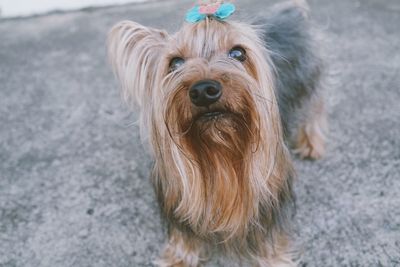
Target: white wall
13, 8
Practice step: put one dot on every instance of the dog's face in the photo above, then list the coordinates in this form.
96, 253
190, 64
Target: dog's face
207, 102
212, 89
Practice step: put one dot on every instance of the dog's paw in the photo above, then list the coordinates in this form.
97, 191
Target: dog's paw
311, 149
310, 142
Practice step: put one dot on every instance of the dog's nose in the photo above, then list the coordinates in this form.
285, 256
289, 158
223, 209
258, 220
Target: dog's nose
205, 92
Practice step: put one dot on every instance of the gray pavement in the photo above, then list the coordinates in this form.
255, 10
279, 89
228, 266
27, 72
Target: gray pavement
74, 188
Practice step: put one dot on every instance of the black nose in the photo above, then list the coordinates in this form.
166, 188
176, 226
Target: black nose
205, 92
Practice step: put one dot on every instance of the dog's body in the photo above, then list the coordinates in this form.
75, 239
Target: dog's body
298, 83
217, 104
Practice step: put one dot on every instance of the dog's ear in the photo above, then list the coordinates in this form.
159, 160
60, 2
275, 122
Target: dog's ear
135, 52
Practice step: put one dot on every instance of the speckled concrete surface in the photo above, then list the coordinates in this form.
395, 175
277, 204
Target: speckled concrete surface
74, 188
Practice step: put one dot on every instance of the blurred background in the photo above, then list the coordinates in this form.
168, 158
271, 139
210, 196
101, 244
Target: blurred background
20, 8
74, 177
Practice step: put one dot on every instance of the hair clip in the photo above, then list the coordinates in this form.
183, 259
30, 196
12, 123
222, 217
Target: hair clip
215, 9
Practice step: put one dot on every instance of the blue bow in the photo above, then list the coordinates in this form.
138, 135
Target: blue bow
223, 12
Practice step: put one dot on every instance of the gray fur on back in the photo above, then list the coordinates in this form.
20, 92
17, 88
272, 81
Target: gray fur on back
287, 34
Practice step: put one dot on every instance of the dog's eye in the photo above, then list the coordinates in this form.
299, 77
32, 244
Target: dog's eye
238, 53
176, 63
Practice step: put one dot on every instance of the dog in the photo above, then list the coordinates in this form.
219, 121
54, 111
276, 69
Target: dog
220, 104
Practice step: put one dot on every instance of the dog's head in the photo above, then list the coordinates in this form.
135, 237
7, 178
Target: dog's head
207, 102
211, 81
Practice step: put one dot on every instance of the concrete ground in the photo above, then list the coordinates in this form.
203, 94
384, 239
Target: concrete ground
74, 188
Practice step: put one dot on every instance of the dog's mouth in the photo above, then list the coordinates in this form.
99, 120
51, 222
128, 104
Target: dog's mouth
210, 115
208, 119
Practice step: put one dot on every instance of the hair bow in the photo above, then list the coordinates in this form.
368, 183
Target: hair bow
216, 10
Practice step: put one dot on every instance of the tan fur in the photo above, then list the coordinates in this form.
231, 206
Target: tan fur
221, 182
182, 251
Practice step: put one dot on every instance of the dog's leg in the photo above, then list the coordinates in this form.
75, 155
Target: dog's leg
181, 251
279, 255
278, 262
309, 141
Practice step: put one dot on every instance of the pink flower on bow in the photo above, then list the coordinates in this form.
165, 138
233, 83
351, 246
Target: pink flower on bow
210, 8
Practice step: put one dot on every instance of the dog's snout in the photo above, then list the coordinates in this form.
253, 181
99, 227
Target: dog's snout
205, 92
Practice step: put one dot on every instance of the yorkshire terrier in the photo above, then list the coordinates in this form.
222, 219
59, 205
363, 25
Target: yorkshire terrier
220, 102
